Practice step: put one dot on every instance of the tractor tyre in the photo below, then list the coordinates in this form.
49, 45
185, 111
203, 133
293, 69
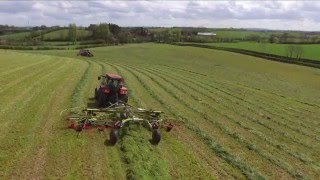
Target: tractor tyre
156, 137
124, 98
114, 136
101, 100
79, 127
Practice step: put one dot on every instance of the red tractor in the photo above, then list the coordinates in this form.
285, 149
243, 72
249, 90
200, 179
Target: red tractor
111, 90
85, 52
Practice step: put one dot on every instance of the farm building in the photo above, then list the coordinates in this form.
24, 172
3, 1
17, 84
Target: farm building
206, 34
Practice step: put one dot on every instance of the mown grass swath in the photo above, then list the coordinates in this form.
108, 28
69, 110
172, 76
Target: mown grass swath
236, 116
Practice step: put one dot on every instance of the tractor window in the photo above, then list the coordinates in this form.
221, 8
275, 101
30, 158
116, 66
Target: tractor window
116, 83
104, 80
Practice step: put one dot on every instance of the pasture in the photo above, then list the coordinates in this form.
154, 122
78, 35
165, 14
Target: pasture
236, 116
63, 35
310, 51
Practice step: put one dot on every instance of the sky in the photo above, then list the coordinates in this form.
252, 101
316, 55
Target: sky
285, 15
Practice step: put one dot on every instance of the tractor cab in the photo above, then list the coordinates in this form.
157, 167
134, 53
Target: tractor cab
85, 52
113, 79
112, 89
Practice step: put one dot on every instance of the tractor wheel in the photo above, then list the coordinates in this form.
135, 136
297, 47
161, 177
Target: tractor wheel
101, 100
156, 137
124, 98
114, 136
79, 127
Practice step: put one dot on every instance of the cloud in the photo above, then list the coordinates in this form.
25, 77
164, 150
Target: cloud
11, 8
259, 14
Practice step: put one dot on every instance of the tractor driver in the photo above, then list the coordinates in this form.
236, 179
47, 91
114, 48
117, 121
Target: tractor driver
120, 84
111, 85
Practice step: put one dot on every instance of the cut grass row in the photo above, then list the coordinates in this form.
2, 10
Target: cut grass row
261, 152
228, 129
217, 148
266, 122
160, 154
239, 123
226, 105
93, 160
268, 95
268, 106
25, 118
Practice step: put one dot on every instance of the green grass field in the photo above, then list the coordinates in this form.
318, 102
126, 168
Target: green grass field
63, 35
311, 51
233, 33
57, 35
240, 117
16, 36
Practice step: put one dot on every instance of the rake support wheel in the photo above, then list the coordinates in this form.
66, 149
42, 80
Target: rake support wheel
114, 136
156, 137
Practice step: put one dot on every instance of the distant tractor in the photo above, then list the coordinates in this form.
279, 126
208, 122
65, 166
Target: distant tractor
111, 90
85, 52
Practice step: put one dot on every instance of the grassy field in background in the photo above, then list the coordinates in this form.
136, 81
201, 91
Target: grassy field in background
311, 51
63, 35
57, 35
240, 117
232, 34
16, 36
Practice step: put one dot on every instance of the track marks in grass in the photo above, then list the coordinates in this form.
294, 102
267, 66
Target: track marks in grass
19, 140
17, 81
20, 102
33, 165
4, 74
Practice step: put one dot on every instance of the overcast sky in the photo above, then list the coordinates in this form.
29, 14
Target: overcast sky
292, 15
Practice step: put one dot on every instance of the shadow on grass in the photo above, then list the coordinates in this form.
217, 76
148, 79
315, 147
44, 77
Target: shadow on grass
107, 142
153, 143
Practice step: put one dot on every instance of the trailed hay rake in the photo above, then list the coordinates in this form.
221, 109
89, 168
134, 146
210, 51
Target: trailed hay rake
115, 117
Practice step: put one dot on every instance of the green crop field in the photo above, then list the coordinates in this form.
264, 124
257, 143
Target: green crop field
16, 36
310, 51
236, 116
63, 35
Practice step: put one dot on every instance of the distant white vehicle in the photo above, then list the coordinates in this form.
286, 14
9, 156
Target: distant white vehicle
206, 34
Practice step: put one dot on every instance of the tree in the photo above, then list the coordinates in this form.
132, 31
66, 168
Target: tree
273, 39
296, 51
103, 32
290, 50
178, 35
284, 38
299, 51
73, 33
42, 35
114, 29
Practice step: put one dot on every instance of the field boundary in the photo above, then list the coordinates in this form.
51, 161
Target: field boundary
67, 47
272, 57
